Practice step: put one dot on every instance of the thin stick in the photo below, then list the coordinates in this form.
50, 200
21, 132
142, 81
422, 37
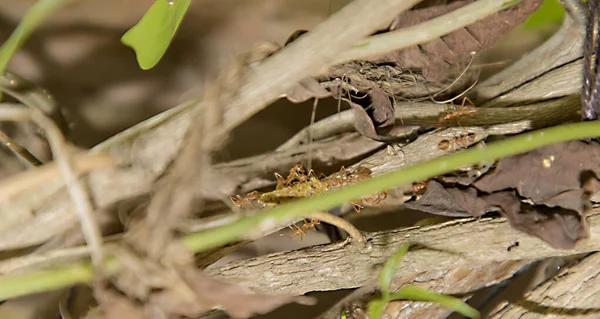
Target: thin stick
340, 223
21, 152
456, 97
14, 112
216, 237
84, 209
423, 32
310, 132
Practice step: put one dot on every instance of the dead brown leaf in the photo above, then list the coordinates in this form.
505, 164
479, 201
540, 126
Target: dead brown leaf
305, 90
375, 118
550, 175
209, 293
559, 227
452, 202
436, 59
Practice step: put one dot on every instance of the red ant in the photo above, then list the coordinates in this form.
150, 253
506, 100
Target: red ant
469, 110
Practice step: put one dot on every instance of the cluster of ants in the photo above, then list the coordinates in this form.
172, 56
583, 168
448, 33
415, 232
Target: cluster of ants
462, 140
302, 184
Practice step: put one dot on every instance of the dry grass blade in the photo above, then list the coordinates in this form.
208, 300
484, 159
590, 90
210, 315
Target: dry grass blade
22, 153
83, 163
74, 186
79, 195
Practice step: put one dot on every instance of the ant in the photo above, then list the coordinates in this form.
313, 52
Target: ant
469, 110
297, 173
302, 229
419, 188
513, 246
458, 142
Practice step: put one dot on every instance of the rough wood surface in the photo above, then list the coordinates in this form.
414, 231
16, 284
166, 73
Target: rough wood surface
573, 293
461, 280
444, 246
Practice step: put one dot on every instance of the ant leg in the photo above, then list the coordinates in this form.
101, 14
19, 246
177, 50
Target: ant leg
357, 206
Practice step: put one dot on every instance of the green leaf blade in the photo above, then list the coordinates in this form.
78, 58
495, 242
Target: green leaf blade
376, 307
151, 36
551, 12
32, 19
414, 293
389, 269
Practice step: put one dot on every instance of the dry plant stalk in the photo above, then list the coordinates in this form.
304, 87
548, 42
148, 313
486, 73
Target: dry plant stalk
61, 152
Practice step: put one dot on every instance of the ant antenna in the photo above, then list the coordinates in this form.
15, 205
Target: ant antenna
458, 78
456, 97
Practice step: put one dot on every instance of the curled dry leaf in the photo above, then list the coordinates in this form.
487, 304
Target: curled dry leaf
551, 175
559, 227
209, 293
376, 118
452, 202
305, 90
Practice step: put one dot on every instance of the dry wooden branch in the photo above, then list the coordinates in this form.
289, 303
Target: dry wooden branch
573, 293
540, 114
443, 246
563, 48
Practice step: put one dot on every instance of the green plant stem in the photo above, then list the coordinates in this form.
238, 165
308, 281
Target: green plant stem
32, 19
18, 285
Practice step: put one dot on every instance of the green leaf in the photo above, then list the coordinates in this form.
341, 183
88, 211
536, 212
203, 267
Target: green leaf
32, 19
376, 307
414, 293
151, 37
550, 12
389, 269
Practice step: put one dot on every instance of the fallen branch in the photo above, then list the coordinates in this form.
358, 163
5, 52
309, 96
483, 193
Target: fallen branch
443, 246
573, 292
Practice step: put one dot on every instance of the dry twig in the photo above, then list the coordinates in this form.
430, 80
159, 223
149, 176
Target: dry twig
444, 246
573, 292
78, 194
